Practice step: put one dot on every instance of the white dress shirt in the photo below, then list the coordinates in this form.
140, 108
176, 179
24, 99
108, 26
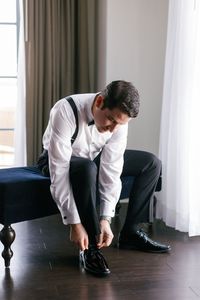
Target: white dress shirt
89, 142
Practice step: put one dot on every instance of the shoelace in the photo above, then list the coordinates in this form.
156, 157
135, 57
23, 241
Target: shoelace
96, 253
144, 236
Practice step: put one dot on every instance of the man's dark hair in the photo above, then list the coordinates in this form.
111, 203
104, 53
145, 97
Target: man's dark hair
123, 95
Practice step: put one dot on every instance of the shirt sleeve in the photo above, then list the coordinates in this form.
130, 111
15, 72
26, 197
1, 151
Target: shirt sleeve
111, 164
62, 128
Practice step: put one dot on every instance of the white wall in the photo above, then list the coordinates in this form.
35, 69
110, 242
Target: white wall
132, 44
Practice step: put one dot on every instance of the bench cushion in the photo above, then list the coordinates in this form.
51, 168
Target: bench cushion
24, 195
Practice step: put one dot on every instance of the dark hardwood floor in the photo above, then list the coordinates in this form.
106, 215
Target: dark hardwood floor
45, 266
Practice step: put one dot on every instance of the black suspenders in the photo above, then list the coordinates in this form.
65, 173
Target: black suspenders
42, 162
74, 108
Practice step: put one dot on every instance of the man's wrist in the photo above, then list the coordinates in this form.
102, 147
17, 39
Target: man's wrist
107, 218
75, 225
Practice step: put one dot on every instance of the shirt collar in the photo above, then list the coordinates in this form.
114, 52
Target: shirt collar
88, 110
91, 123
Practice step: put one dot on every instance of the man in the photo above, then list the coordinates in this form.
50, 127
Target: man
89, 168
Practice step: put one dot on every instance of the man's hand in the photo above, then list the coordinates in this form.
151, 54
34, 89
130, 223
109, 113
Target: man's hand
106, 236
79, 236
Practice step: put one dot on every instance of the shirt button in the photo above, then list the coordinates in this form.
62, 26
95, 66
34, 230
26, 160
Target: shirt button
64, 217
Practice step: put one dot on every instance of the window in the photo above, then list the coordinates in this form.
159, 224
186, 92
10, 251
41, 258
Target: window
8, 79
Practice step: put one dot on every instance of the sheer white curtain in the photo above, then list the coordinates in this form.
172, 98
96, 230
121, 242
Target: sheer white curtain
179, 204
20, 122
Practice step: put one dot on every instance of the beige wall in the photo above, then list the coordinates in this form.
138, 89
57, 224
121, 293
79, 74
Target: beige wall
132, 47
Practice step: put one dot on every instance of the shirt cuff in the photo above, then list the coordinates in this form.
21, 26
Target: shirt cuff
68, 218
107, 209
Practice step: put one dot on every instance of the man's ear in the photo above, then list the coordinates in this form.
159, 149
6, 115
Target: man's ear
99, 101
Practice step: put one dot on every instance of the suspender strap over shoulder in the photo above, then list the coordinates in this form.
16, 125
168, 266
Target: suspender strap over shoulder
42, 162
74, 108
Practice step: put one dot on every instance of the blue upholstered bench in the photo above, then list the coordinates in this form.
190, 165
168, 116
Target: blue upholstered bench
25, 195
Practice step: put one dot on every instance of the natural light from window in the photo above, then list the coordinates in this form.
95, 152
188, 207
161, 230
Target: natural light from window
8, 79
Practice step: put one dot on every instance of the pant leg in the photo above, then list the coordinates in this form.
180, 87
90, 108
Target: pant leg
146, 169
83, 176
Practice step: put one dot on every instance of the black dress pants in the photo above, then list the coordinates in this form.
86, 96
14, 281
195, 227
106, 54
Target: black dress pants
144, 166
146, 169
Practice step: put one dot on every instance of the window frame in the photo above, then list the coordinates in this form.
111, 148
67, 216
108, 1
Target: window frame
17, 24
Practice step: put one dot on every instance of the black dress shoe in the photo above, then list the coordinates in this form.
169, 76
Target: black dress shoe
93, 261
140, 241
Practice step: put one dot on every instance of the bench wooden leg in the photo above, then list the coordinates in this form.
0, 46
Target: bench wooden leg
7, 237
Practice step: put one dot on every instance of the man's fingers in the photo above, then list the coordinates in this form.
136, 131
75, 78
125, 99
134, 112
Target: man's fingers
101, 245
83, 244
108, 240
86, 243
105, 240
79, 236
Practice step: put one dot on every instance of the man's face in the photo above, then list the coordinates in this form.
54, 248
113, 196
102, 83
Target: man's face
106, 119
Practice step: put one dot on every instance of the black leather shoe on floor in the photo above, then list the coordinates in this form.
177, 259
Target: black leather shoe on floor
93, 261
140, 241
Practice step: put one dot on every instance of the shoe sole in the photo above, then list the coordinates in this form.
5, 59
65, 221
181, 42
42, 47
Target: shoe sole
129, 247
